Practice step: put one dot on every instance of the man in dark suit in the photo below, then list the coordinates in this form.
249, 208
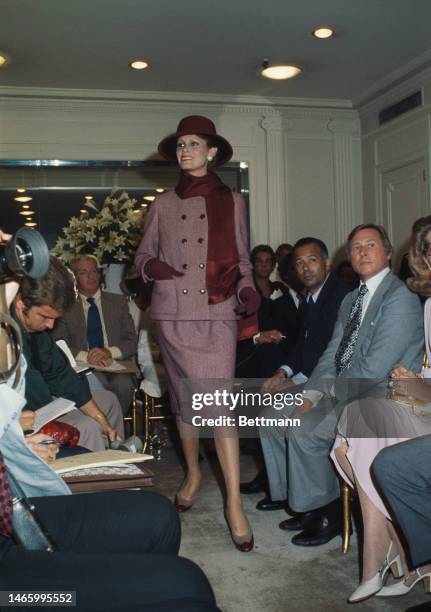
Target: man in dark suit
278, 319
98, 328
319, 312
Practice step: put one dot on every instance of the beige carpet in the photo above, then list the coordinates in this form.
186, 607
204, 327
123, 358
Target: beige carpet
277, 576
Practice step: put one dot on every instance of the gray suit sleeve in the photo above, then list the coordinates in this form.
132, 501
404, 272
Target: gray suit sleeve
128, 342
396, 338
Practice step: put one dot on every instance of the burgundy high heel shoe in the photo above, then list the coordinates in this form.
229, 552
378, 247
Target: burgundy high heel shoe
243, 543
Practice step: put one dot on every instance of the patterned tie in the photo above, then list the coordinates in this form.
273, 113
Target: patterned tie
94, 326
5, 501
344, 354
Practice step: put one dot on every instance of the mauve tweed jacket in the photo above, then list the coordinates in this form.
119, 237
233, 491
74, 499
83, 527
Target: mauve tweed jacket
176, 231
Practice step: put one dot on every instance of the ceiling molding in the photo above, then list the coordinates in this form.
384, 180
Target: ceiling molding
416, 67
173, 97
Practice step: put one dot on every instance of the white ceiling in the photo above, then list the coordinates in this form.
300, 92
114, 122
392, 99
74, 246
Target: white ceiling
214, 47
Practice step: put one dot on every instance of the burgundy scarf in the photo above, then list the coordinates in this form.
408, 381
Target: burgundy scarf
222, 268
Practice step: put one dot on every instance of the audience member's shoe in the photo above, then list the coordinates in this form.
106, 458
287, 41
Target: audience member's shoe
373, 586
402, 587
267, 504
326, 523
181, 504
297, 523
257, 485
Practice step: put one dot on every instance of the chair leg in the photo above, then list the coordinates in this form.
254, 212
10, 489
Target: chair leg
148, 410
345, 498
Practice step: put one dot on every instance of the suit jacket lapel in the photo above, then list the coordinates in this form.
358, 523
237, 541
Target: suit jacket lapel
108, 321
373, 307
81, 325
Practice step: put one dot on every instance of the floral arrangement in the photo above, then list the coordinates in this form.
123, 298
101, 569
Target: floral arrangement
111, 233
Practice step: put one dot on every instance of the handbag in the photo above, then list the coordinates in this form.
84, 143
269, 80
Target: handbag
65, 434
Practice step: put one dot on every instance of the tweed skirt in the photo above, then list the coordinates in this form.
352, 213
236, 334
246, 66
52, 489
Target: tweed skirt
196, 350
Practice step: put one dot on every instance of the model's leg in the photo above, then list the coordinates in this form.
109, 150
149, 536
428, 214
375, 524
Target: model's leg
190, 442
227, 447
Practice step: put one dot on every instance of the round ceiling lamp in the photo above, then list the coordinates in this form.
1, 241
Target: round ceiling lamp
23, 199
323, 32
30, 224
26, 213
3, 60
279, 72
138, 64
150, 198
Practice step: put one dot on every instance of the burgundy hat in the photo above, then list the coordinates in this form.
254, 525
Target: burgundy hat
195, 124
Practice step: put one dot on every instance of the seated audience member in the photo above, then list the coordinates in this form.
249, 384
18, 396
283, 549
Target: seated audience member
116, 550
38, 304
323, 298
405, 271
404, 475
278, 321
378, 326
281, 252
99, 328
289, 277
346, 273
390, 421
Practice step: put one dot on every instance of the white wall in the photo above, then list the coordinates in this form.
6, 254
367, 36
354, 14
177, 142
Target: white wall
304, 163
396, 144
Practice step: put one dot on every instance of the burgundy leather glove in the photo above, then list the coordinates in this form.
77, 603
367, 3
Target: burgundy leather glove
160, 270
250, 302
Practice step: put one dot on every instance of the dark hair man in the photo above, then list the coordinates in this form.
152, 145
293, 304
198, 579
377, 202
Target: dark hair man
38, 304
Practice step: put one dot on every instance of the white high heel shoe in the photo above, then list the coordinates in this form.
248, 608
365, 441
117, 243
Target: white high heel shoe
401, 588
373, 585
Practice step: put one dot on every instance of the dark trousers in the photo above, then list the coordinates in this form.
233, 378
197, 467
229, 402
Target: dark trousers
403, 472
117, 550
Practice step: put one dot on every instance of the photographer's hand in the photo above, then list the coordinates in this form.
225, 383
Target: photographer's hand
37, 443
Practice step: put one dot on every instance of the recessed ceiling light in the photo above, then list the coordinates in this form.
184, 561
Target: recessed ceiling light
82, 210
243, 165
26, 213
30, 224
279, 71
23, 199
21, 190
159, 189
88, 197
323, 32
3, 59
25, 206
138, 64
150, 198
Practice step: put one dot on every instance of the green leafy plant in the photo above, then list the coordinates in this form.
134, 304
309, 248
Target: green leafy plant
111, 233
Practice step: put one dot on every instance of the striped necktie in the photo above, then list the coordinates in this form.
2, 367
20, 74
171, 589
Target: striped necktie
5, 501
344, 354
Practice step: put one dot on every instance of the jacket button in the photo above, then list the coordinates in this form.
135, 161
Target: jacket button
202, 216
183, 216
202, 290
184, 266
200, 240
184, 240
201, 265
185, 291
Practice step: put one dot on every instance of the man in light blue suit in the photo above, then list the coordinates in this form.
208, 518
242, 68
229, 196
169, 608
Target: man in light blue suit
379, 325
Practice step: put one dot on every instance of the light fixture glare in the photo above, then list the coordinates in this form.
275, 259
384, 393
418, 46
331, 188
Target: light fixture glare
23, 199
30, 224
150, 198
279, 71
26, 213
138, 64
3, 60
323, 32
21, 190
159, 189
